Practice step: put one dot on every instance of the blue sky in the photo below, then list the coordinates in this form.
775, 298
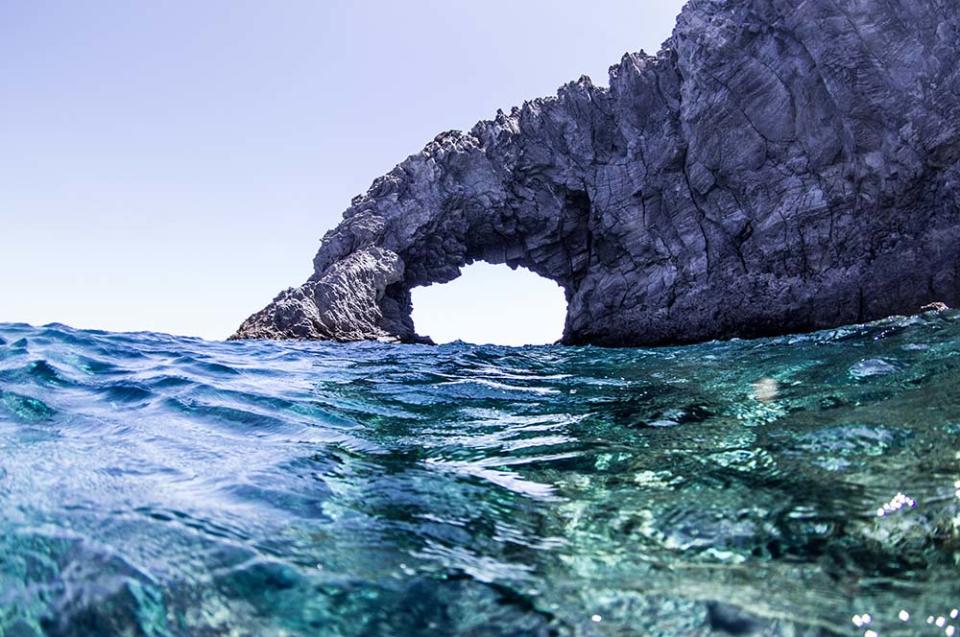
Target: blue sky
171, 166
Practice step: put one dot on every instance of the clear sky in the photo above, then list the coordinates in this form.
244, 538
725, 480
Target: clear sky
171, 166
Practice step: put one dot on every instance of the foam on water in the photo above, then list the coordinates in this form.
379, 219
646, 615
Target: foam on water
157, 485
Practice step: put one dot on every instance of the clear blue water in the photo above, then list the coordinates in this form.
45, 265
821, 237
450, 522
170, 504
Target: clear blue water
158, 485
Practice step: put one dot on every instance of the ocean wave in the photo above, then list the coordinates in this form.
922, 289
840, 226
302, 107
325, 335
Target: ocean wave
160, 485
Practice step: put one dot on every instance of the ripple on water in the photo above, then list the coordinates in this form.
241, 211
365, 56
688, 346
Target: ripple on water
77, 586
874, 367
26, 408
37, 372
835, 447
127, 392
700, 528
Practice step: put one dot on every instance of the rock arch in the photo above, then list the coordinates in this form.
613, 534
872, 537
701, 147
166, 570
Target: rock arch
777, 167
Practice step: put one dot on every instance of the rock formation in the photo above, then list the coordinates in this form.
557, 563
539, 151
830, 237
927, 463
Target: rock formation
780, 165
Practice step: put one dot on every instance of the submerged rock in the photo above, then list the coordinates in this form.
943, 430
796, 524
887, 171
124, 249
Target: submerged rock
778, 166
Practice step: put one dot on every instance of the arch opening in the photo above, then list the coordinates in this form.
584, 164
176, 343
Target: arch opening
491, 304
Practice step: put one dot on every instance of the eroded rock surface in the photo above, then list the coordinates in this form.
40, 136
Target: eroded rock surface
780, 165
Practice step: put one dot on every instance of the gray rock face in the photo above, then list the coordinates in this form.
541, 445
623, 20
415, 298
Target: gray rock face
780, 165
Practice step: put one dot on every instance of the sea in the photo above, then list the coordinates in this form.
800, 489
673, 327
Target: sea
155, 485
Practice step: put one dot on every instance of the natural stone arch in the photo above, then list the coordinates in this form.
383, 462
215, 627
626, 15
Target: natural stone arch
777, 167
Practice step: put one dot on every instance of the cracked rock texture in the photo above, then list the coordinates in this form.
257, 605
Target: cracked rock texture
779, 166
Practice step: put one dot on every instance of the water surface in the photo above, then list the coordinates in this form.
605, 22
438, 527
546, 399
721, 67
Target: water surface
158, 485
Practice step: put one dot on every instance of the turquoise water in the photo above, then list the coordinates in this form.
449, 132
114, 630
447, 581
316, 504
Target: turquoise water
158, 485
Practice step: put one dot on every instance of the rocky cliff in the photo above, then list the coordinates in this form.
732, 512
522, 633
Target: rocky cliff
780, 165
